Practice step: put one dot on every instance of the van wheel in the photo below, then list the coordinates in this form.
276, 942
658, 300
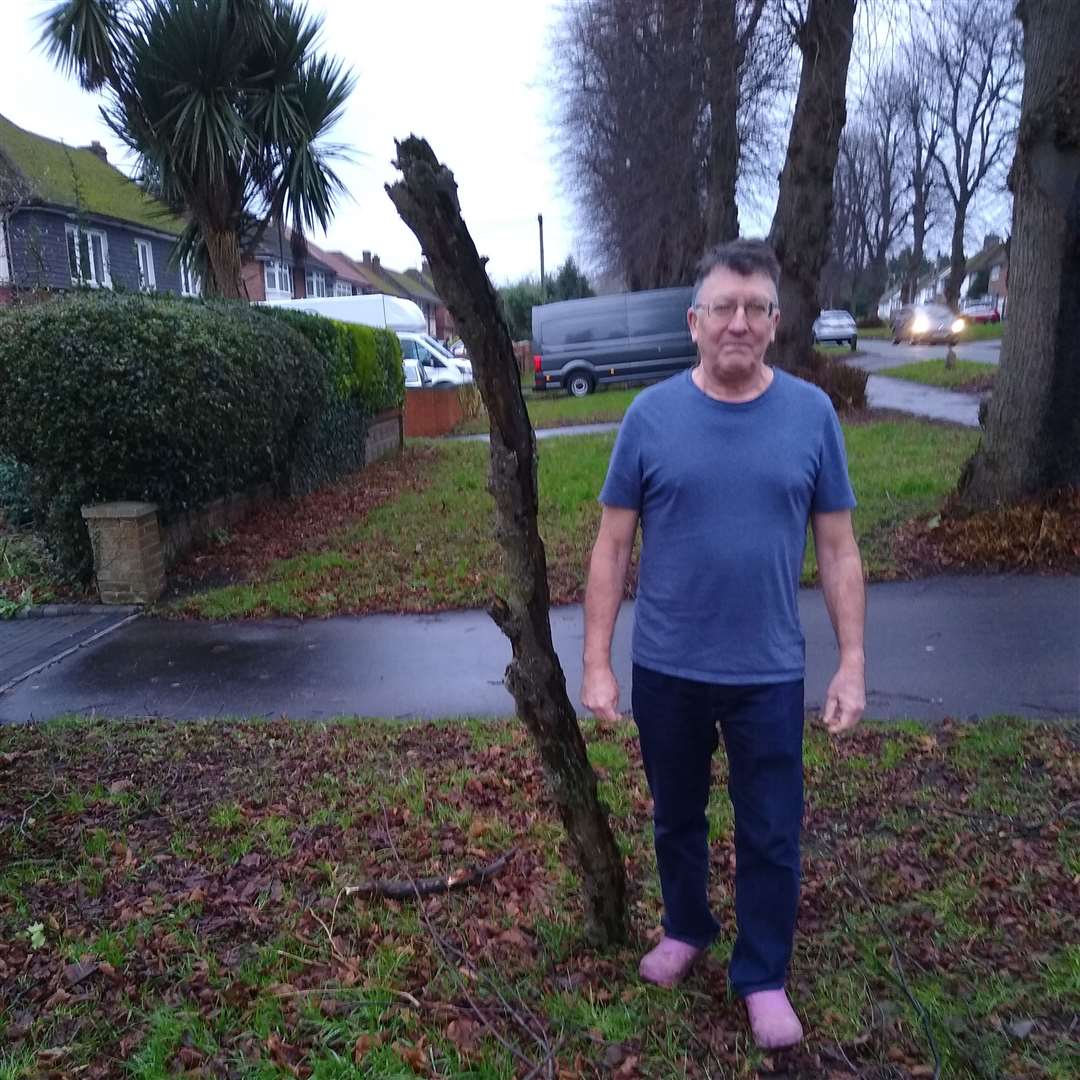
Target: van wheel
854, 344
580, 384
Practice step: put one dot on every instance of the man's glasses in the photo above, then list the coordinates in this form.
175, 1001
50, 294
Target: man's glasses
757, 312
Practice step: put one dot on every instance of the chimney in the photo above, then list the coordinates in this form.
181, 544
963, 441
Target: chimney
96, 148
425, 267
375, 261
367, 258
991, 240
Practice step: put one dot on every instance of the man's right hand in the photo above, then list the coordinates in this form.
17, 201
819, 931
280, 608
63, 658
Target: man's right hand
600, 693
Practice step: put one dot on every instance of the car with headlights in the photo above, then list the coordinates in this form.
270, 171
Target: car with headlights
927, 324
833, 327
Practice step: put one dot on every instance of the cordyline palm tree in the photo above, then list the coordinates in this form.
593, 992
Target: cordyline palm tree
224, 101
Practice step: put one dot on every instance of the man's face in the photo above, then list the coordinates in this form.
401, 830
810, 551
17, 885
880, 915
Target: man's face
733, 322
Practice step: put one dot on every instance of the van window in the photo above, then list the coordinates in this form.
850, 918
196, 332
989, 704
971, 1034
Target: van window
408, 349
592, 322
658, 313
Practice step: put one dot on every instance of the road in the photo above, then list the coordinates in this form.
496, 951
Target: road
876, 355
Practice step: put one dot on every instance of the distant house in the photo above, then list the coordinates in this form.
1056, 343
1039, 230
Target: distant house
993, 259
70, 219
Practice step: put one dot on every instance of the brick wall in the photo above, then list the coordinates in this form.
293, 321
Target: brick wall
254, 279
385, 435
430, 412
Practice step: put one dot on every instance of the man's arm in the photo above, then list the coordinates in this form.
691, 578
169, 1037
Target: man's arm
603, 597
845, 597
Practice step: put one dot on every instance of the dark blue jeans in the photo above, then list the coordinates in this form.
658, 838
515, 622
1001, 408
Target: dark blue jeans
762, 726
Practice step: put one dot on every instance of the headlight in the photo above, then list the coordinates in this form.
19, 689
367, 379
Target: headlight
958, 326
920, 324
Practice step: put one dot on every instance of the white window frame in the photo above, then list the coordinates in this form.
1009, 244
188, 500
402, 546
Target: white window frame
342, 288
190, 282
274, 273
144, 256
315, 284
5, 266
73, 231
995, 272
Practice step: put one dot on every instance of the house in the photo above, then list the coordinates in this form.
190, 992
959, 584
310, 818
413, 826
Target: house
70, 219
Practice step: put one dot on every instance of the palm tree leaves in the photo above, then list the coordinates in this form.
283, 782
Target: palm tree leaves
225, 101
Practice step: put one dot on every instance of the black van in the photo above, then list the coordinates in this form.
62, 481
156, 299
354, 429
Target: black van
629, 337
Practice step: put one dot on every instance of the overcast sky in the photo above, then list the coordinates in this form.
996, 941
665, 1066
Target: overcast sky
471, 76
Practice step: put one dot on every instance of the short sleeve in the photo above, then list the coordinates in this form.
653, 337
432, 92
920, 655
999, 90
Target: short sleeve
623, 484
833, 488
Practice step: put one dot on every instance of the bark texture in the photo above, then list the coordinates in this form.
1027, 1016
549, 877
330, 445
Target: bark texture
223, 252
426, 198
803, 219
723, 60
1032, 440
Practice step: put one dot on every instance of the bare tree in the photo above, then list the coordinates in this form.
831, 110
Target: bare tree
803, 218
922, 121
426, 198
1032, 439
661, 104
975, 45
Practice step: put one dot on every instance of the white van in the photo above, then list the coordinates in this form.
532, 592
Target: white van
391, 313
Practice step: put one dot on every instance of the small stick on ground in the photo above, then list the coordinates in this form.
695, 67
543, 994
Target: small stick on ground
431, 886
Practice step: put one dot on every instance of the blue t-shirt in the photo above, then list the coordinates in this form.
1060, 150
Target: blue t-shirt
725, 492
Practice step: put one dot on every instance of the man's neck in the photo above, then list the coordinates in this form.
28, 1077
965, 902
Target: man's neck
736, 392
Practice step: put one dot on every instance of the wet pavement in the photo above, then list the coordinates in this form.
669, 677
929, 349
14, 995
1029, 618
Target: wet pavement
947, 646
928, 401
878, 355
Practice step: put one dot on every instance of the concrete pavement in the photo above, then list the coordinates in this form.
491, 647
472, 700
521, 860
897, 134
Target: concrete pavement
946, 646
928, 401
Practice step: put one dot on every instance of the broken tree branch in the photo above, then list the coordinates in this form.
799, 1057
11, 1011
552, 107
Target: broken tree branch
431, 886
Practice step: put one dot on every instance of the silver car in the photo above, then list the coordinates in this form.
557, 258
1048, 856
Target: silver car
927, 324
835, 328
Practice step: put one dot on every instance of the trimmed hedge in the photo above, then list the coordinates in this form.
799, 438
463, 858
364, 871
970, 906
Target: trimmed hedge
175, 402
366, 362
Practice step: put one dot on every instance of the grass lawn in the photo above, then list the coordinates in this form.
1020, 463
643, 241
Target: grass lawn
966, 374
173, 901
557, 409
431, 548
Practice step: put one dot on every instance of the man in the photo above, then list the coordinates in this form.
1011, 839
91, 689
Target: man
724, 465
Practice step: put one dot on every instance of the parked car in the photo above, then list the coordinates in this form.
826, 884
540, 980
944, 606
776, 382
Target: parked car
835, 327
625, 338
462, 363
983, 310
415, 375
439, 369
926, 324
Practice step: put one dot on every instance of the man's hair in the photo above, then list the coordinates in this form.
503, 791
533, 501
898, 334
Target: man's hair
743, 257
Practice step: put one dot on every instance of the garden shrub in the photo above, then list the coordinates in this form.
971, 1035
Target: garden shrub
15, 496
844, 383
129, 397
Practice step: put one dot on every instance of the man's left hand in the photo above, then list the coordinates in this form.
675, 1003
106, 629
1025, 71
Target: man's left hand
846, 699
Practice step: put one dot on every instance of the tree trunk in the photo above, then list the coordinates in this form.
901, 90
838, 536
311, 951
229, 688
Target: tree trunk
223, 252
426, 199
918, 225
720, 40
1032, 440
957, 260
803, 218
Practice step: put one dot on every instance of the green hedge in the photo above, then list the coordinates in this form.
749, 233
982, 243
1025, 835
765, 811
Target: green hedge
129, 397
366, 362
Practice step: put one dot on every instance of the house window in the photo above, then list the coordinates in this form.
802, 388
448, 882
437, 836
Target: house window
190, 283
342, 288
315, 280
995, 272
145, 255
278, 280
88, 257
5, 268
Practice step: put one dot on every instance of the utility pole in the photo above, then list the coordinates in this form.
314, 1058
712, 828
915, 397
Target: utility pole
543, 283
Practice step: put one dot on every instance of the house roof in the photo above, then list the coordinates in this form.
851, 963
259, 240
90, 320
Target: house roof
76, 178
377, 277
425, 288
986, 258
277, 243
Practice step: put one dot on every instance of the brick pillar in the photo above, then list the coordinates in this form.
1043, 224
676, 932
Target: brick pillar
128, 559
